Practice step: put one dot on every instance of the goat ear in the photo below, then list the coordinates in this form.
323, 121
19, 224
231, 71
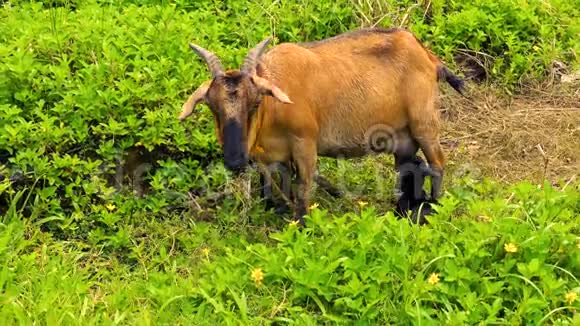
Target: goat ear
267, 88
195, 98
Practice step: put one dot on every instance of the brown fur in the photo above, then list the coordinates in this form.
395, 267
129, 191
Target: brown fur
325, 96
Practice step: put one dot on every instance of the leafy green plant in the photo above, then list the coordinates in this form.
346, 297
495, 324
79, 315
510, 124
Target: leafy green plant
114, 212
502, 256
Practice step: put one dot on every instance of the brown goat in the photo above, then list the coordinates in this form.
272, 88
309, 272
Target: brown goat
365, 91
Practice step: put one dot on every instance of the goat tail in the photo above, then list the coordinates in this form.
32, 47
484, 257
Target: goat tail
452, 79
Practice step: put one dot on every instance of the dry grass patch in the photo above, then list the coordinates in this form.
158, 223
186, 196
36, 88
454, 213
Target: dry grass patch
534, 135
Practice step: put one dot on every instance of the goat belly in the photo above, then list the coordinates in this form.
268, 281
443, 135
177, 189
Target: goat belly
342, 152
377, 138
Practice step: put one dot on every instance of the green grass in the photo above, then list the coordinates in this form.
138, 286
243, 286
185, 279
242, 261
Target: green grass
84, 82
358, 265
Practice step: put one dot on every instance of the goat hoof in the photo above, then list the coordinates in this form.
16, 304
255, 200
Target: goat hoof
269, 204
420, 213
278, 207
281, 209
335, 193
418, 218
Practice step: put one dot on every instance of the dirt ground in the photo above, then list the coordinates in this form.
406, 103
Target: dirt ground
533, 135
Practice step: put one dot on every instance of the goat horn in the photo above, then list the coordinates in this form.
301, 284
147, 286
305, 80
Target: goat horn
249, 66
213, 62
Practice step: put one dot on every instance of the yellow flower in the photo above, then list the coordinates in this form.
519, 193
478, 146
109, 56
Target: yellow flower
313, 206
205, 252
294, 223
485, 218
362, 203
257, 276
433, 278
110, 206
510, 247
571, 297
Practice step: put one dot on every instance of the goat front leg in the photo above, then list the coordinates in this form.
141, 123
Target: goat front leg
304, 154
267, 184
286, 173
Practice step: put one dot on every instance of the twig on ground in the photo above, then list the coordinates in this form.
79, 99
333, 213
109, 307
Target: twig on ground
569, 181
546, 160
194, 202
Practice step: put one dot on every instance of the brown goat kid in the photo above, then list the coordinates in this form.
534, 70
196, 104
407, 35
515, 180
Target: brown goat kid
361, 92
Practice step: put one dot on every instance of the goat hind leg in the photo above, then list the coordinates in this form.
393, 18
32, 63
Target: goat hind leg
424, 123
304, 154
434, 154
